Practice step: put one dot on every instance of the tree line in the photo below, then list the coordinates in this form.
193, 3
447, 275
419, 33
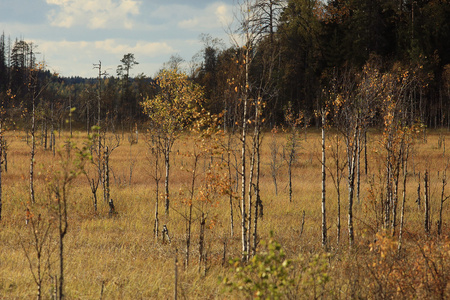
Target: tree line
21, 75
310, 42
300, 47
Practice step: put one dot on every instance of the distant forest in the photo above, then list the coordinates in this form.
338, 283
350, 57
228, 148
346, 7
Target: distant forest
301, 49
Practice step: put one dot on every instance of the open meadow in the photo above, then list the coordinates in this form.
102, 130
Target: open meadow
117, 256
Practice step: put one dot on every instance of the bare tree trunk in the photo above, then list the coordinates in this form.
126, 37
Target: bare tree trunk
201, 241
443, 199
166, 180
250, 185
189, 220
230, 181
94, 186
42, 134
274, 165
365, 152
395, 196
255, 160
175, 296
245, 230
402, 215
418, 201
258, 205
243, 183
339, 173
156, 227
324, 176
388, 201
63, 224
351, 187
358, 168
106, 173
291, 159
101, 165
338, 221
88, 129
51, 128
52, 136
303, 224
188, 235
243, 171
32, 152
427, 204
45, 134
352, 148
5, 155
70, 116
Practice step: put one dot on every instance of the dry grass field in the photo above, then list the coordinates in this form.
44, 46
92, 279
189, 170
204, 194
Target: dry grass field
117, 257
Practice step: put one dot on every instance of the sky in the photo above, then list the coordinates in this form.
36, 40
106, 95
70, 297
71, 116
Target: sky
72, 35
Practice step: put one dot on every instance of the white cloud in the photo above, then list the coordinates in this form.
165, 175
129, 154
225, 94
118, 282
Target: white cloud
93, 13
77, 57
109, 46
216, 15
139, 48
66, 39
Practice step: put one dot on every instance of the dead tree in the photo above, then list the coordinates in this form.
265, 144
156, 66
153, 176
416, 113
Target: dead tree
336, 171
153, 143
353, 111
274, 165
444, 197
256, 22
324, 176
426, 200
40, 233
405, 157
108, 146
292, 144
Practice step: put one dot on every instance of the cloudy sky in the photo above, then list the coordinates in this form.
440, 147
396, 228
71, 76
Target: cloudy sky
72, 35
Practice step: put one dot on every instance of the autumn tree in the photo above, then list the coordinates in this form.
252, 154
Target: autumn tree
355, 107
255, 23
248, 35
204, 189
397, 137
170, 111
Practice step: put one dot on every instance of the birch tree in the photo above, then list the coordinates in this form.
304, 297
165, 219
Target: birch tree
170, 112
354, 110
398, 134
256, 21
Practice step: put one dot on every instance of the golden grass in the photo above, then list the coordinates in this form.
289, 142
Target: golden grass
120, 252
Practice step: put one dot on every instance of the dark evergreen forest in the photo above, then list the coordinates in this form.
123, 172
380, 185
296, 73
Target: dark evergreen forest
303, 50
